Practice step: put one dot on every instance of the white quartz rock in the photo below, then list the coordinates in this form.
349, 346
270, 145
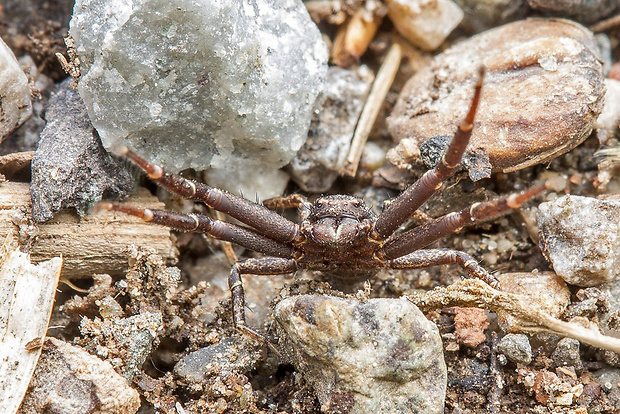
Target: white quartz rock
425, 23
15, 103
579, 235
200, 83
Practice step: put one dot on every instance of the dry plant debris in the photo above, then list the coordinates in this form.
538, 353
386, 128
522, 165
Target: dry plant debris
26, 297
531, 318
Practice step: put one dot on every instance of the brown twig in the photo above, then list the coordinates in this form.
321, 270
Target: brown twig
226, 246
377, 95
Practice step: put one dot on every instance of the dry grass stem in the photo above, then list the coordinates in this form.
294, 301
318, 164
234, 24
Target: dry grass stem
375, 100
531, 317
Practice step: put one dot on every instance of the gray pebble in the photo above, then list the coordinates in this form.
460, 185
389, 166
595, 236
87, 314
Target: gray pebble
379, 356
610, 319
226, 355
567, 354
517, 348
579, 236
70, 168
316, 165
609, 378
15, 102
481, 15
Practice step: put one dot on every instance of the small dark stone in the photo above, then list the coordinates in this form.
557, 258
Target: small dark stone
226, 355
70, 168
475, 161
477, 383
567, 354
517, 348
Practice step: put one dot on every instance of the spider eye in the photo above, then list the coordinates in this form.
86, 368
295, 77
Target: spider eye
355, 203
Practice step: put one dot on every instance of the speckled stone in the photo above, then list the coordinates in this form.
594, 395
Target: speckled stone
543, 91
579, 236
545, 289
379, 356
566, 353
516, 347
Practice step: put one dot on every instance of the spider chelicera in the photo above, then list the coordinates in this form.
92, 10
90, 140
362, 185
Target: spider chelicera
336, 232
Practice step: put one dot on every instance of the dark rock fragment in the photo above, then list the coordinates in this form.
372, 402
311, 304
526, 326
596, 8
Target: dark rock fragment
70, 168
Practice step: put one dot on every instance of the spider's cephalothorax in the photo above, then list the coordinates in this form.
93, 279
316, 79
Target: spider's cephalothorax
336, 233
338, 222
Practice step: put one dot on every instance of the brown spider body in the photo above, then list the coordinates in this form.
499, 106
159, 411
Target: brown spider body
335, 236
336, 233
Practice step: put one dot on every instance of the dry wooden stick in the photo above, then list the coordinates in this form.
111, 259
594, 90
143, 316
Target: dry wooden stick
95, 243
377, 95
532, 318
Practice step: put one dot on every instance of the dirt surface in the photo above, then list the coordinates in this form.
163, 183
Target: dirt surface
244, 376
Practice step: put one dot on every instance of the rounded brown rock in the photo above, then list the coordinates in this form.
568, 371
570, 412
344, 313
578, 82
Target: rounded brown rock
541, 96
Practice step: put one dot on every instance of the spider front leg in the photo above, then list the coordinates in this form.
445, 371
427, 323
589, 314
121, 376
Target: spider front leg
260, 266
427, 258
402, 207
422, 236
267, 222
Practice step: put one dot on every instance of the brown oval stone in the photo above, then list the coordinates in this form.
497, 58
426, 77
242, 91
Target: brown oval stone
541, 96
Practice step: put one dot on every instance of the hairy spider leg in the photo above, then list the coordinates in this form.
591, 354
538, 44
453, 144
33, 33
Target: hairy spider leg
265, 221
281, 264
422, 236
402, 207
217, 229
290, 201
434, 257
285, 202
259, 266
